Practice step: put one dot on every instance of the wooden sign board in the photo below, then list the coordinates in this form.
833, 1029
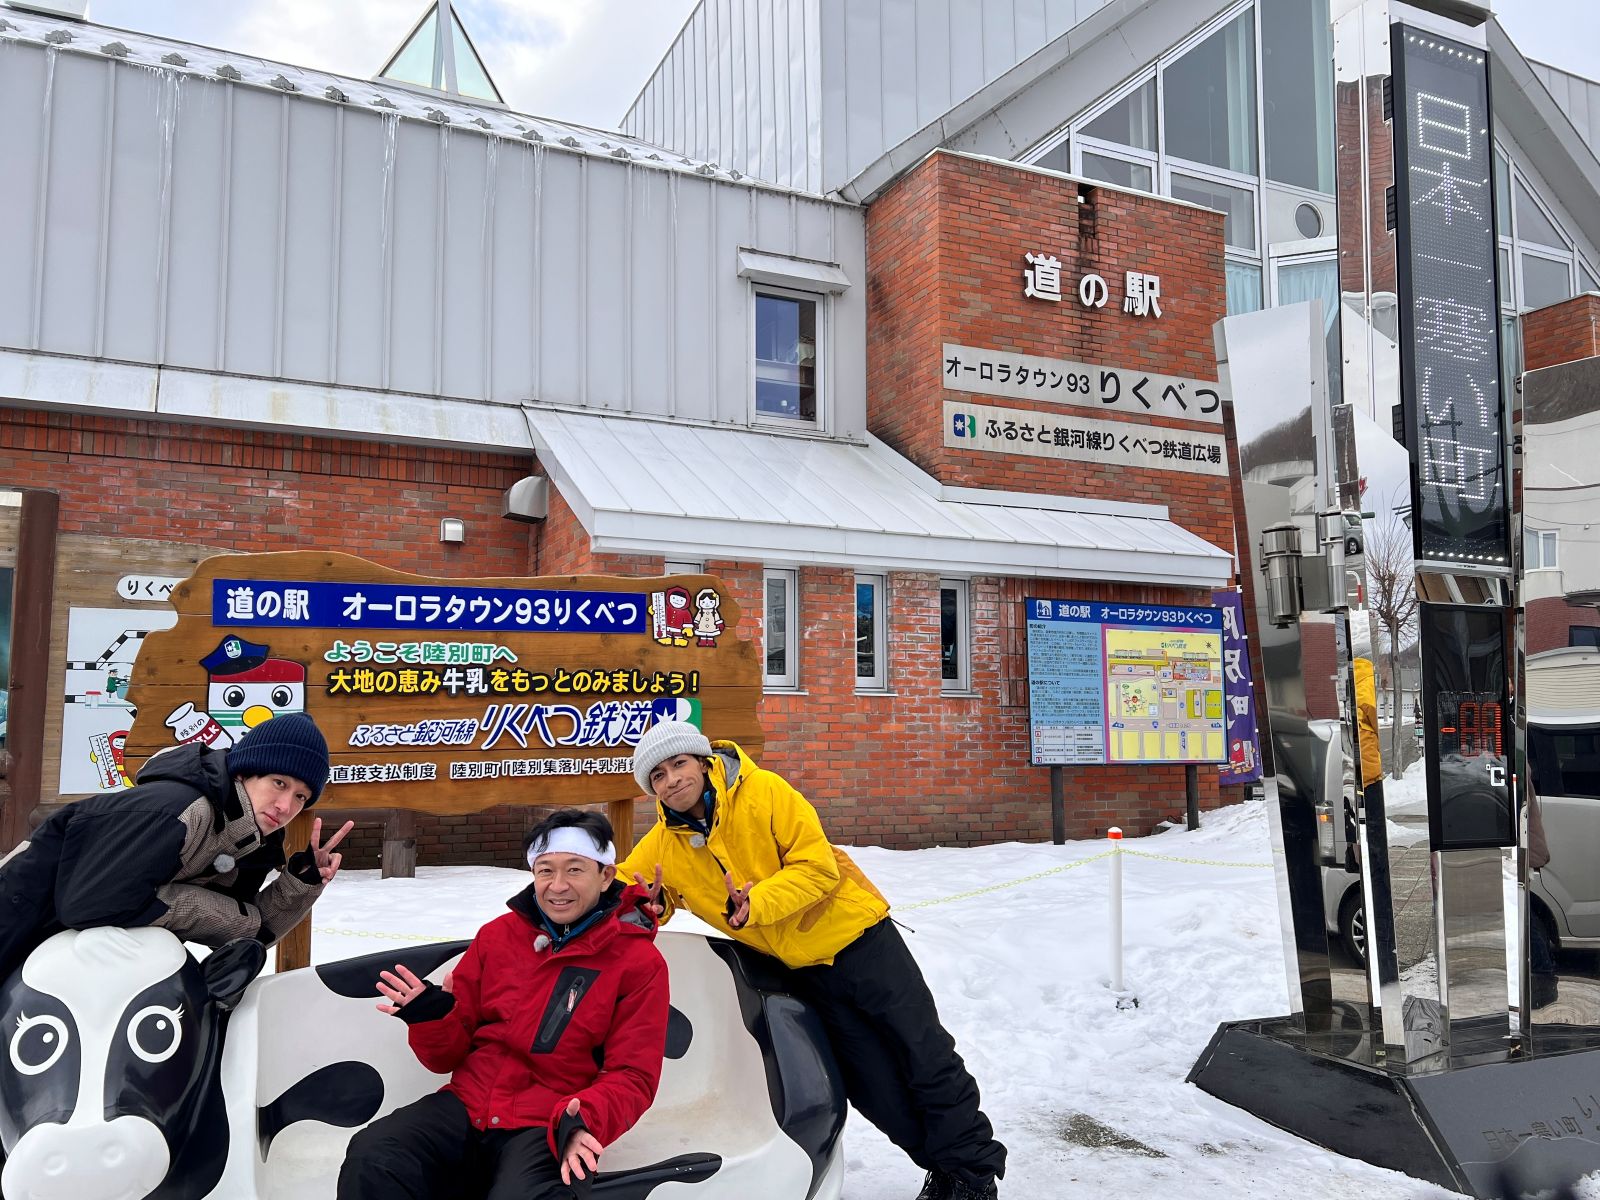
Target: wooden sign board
446, 695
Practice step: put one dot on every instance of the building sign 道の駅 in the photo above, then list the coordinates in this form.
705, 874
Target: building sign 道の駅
1084, 385
1077, 439
1124, 683
446, 695
1041, 280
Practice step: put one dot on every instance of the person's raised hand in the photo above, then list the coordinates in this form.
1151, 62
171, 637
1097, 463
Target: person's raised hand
401, 986
652, 892
327, 861
738, 901
582, 1150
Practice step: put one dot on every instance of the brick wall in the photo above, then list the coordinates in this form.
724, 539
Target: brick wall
945, 261
1550, 621
1561, 332
250, 491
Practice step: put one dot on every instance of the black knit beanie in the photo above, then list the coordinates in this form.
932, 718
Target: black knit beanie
287, 745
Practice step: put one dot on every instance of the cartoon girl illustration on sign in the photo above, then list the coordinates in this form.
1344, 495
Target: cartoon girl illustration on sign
708, 624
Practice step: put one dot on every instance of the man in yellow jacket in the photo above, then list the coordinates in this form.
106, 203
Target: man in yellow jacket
745, 852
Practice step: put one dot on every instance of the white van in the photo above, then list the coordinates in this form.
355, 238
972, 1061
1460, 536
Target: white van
1564, 761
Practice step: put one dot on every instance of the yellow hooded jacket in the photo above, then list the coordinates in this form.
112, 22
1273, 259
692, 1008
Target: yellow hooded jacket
1367, 722
809, 900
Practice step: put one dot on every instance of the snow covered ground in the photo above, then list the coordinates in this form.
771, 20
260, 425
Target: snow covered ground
1090, 1099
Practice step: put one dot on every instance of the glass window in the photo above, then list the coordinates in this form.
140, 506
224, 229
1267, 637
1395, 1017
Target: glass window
1510, 353
1057, 158
1297, 92
1532, 224
1244, 287
1502, 194
870, 632
1118, 171
786, 356
683, 566
1565, 761
1209, 99
413, 63
1544, 280
955, 668
1238, 203
1538, 549
1586, 278
471, 78
1586, 636
1505, 287
780, 633
1131, 121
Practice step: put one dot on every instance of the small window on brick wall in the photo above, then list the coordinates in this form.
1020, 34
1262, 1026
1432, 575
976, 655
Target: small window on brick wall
955, 637
872, 672
781, 631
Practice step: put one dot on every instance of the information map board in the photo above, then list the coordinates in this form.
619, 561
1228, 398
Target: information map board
1124, 683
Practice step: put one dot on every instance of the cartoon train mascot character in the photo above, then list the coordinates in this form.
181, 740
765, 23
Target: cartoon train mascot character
708, 625
249, 686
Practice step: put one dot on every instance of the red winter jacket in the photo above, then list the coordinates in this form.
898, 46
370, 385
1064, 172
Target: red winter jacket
528, 1027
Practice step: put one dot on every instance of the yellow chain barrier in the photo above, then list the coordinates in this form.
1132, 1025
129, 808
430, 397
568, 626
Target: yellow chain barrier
983, 891
1197, 862
996, 887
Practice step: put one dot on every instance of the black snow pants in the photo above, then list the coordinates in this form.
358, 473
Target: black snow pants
429, 1150
900, 1065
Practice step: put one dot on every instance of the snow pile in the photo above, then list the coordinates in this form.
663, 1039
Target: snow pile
1091, 1100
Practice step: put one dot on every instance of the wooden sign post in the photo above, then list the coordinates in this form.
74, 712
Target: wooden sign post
445, 695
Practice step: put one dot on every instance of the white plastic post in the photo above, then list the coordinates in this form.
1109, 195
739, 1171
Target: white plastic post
1115, 836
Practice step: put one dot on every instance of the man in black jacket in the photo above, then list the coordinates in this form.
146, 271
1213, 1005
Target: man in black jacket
187, 848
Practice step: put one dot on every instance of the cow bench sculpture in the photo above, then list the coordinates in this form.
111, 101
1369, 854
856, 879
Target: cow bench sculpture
125, 1075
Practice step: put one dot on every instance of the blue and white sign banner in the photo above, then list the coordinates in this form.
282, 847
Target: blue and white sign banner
323, 605
1135, 616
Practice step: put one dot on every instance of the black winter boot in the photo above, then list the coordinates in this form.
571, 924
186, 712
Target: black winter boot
962, 1191
937, 1186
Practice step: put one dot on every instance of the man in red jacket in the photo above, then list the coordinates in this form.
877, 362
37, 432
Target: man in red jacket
568, 980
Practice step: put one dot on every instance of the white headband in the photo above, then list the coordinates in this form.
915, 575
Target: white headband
569, 839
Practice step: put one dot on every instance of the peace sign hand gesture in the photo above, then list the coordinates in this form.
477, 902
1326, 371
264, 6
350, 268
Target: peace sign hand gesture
327, 861
652, 892
738, 901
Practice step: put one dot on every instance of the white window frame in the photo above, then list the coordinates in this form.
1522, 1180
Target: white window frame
962, 683
1545, 540
1209, 174
1535, 250
822, 300
789, 678
878, 681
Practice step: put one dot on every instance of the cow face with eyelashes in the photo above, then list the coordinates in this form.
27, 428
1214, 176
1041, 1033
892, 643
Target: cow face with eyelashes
108, 1085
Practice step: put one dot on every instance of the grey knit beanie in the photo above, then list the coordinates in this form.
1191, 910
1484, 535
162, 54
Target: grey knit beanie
290, 744
663, 740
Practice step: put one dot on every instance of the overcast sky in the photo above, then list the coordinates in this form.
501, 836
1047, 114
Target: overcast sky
585, 60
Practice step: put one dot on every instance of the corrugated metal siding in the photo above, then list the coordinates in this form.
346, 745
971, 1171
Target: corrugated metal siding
740, 88
165, 218
808, 93
1576, 96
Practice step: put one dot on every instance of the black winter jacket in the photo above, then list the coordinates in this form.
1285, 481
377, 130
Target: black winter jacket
148, 855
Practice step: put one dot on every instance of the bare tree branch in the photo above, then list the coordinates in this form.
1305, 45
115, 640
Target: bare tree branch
1392, 600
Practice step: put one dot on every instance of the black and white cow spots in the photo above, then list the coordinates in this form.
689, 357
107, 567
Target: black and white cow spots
112, 1037
125, 1077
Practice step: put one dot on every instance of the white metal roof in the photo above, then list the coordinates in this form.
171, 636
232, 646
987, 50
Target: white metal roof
683, 490
166, 55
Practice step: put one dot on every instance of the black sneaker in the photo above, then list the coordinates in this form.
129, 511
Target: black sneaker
937, 1186
963, 1191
